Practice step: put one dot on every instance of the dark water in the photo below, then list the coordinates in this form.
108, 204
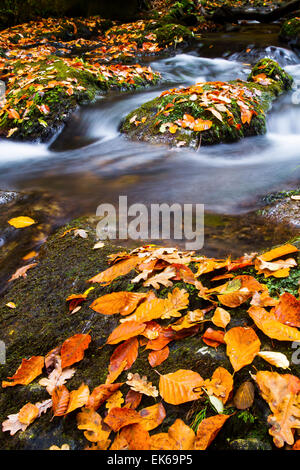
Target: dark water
90, 162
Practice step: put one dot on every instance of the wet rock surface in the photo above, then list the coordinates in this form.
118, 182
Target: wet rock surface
209, 113
41, 321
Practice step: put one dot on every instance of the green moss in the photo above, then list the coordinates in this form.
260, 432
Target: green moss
290, 30
151, 122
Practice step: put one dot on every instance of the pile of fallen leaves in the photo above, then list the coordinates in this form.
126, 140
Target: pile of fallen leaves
151, 321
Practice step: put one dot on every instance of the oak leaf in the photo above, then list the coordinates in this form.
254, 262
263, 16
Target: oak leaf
220, 385
94, 428
141, 385
282, 393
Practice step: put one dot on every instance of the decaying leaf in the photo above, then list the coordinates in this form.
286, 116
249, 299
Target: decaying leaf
244, 396
277, 359
152, 416
141, 385
282, 392
22, 272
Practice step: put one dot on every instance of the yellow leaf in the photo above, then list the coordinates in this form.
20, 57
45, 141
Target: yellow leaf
21, 222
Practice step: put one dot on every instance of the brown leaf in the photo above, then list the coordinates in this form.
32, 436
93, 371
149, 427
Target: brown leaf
60, 400
100, 394
133, 399
22, 272
28, 413
244, 396
141, 385
127, 351
78, 398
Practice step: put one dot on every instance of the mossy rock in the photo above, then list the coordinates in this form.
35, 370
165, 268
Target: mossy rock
58, 89
163, 120
290, 31
41, 321
171, 33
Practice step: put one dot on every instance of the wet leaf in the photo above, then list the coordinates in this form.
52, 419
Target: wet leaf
242, 346
152, 416
117, 418
156, 358
126, 331
221, 317
73, 349
244, 396
94, 428
208, 429
120, 269
178, 387
27, 372
117, 302
21, 222
78, 398
100, 394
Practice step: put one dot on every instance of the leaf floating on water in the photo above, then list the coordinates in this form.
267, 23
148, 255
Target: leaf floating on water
21, 222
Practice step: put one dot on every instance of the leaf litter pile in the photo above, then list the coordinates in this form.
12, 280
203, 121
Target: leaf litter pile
150, 320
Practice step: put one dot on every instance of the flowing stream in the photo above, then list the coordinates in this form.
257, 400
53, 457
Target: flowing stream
90, 162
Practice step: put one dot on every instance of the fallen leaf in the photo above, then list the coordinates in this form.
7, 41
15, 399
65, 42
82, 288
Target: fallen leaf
221, 317
141, 385
277, 359
100, 394
117, 418
73, 349
22, 272
125, 331
120, 269
178, 387
152, 416
27, 372
156, 358
208, 430
94, 428
21, 222
242, 346
117, 302
244, 396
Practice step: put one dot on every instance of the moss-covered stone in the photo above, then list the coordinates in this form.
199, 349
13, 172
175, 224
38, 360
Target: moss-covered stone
41, 321
290, 31
212, 112
282, 208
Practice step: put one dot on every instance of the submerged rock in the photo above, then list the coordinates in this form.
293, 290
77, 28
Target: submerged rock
283, 208
41, 321
210, 112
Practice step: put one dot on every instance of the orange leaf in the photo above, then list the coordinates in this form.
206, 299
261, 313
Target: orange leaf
73, 349
137, 437
282, 394
117, 302
278, 252
126, 351
162, 441
221, 317
91, 422
208, 430
120, 269
78, 398
125, 331
271, 327
220, 385
117, 418
22, 271
156, 358
100, 394
177, 387
27, 372
288, 310
242, 346
60, 400
152, 416
28, 413
213, 337
182, 434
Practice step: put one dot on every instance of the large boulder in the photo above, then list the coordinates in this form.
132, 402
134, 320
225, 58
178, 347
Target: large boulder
212, 112
290, 31
41, 321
